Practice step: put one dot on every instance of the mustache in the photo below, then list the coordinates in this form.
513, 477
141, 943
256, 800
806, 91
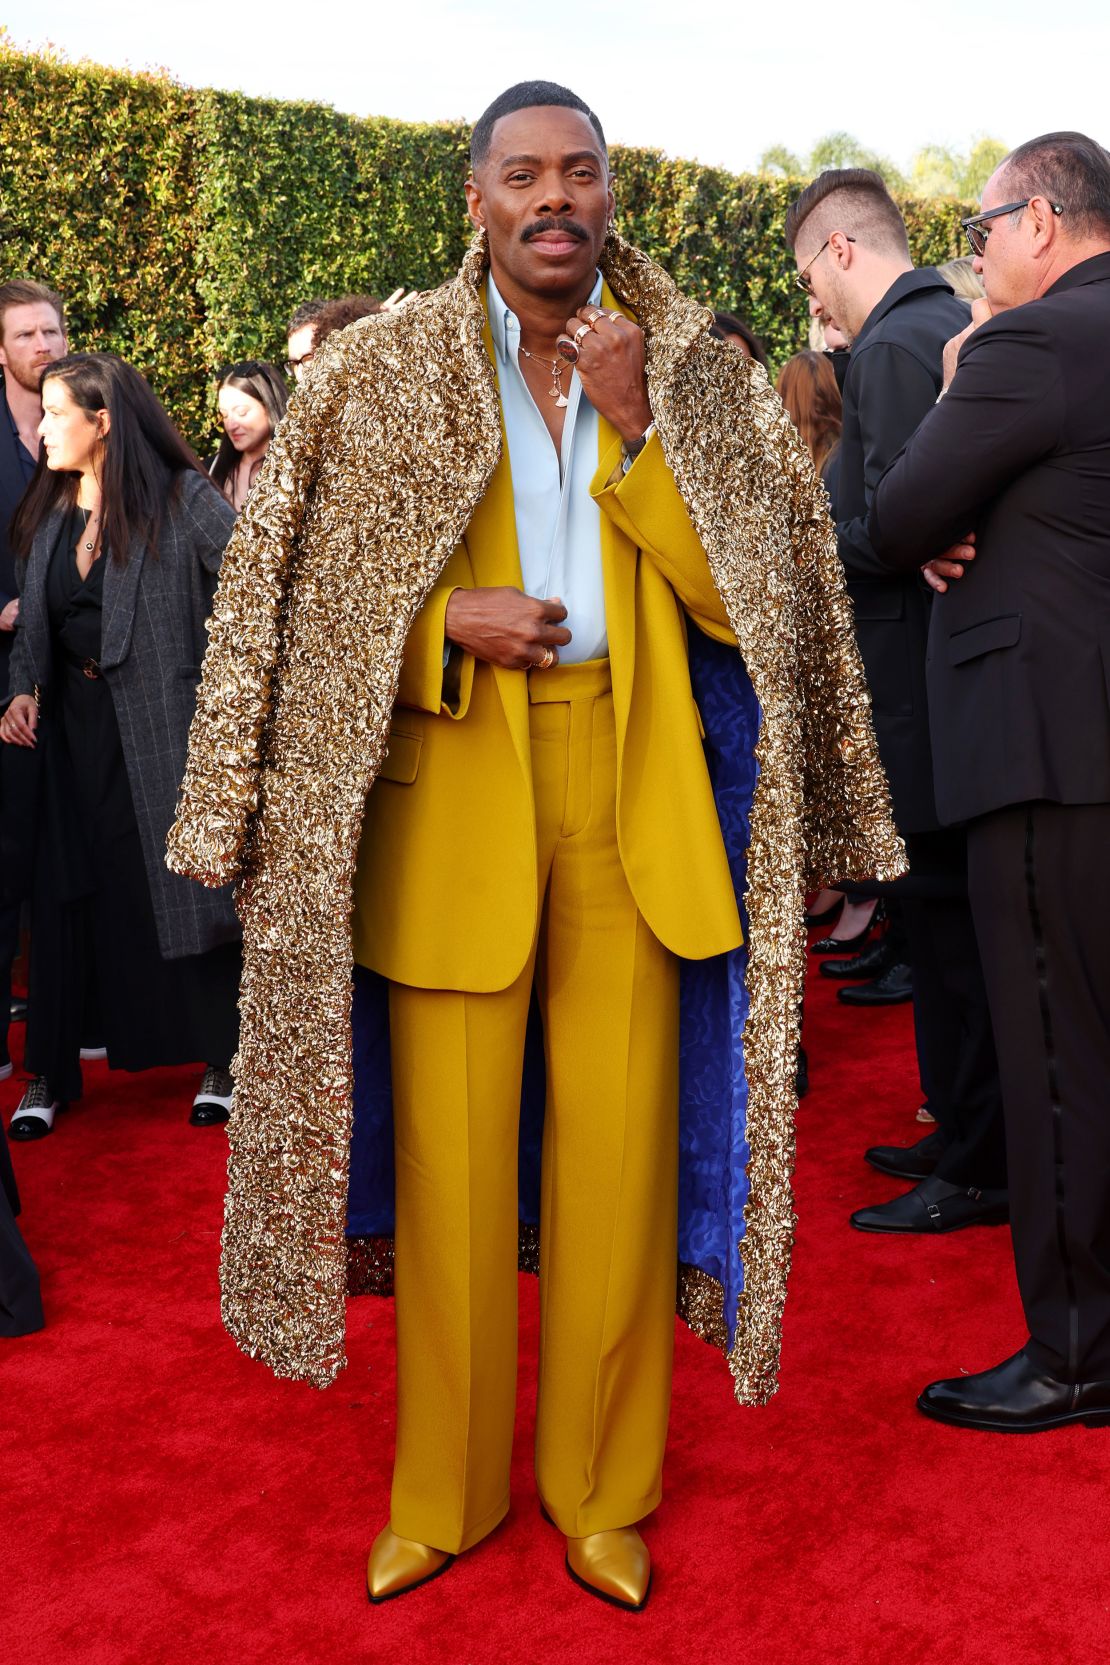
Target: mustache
554, 222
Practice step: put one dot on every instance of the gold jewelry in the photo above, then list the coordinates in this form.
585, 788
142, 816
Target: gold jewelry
583, 329
547, 661
555, 391
615, 317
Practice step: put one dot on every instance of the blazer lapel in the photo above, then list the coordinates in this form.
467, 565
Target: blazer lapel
495, 560
618, 571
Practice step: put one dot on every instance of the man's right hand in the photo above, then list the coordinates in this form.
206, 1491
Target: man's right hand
951, 564
506, 627
20, 720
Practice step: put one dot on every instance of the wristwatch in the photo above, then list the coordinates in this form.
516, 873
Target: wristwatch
633, 447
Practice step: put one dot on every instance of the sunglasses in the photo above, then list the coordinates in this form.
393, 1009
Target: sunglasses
977, 230
802, 278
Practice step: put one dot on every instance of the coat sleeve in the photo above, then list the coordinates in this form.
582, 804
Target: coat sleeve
894, 392
220, 791
1004, 410
210, 520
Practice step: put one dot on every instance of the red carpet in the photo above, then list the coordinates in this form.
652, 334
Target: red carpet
162, 1498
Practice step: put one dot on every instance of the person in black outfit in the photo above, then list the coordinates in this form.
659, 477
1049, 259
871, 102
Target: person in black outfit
852, 254
1017, 456
122, 536
32, 335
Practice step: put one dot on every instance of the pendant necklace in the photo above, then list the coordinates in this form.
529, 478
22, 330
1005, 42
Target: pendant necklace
556, 366
90, 517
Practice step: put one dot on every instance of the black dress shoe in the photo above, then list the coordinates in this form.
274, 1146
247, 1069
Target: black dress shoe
907, 1161
891, 989
1016, 1397
872, 962
934, 1206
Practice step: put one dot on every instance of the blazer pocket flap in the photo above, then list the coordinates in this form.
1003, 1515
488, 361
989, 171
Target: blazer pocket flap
402, 759
967, 644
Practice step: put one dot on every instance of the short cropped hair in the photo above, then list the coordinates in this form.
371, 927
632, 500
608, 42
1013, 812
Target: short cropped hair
852, 200
1069, 169
22, 292
527, 95
307, 313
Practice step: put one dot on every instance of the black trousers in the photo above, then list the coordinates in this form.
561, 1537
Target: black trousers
952, 1018
1040, 894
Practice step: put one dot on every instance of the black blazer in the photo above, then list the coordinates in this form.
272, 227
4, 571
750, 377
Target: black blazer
12, 487
1019, 650
894, 376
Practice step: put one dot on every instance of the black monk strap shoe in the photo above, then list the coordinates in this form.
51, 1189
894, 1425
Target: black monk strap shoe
874, 960
935, 1207
915, 1161
1016, 1397
891, 989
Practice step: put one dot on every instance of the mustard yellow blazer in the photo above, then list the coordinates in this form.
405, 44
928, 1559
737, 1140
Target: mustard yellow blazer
446, 884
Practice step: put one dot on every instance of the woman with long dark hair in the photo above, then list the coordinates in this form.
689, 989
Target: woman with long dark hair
119, 540
251, 397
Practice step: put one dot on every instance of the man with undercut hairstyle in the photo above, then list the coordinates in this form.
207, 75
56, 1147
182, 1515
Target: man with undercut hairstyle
495, 571
852, 254
1015, 460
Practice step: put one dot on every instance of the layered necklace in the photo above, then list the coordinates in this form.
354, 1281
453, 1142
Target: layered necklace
556, 366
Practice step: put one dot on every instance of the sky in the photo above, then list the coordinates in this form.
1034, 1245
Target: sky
716, 85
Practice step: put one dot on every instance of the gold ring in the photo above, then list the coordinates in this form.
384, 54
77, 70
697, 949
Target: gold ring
615, 317
583, 329
595, 317
547, 661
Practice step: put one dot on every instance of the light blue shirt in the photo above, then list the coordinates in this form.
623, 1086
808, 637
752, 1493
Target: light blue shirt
558, 524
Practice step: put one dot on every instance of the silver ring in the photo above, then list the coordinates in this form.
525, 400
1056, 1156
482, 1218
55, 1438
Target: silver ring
583, 329
567, 350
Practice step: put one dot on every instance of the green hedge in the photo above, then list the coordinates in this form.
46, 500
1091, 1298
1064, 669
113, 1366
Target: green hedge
183, 226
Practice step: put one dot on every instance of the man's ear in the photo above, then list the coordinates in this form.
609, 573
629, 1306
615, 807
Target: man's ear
841, 248
1044, 220
474, 202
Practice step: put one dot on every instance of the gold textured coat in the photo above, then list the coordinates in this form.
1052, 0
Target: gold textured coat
367, 490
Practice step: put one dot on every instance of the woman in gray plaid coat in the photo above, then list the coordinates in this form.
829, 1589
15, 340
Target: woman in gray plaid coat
119, 539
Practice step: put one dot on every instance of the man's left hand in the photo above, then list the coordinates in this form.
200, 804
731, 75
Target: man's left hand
607, 350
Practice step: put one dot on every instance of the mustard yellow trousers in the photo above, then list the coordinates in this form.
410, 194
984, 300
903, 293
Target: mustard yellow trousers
608, 994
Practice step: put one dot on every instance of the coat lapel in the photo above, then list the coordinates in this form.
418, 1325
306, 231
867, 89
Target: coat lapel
121, 591
34, 625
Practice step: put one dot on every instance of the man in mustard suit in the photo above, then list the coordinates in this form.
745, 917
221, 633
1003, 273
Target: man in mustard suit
544, 819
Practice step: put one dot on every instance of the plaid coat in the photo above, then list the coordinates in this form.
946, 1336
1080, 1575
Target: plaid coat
153, 642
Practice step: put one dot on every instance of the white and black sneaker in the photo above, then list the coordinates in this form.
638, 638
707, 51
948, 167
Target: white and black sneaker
212, 1105
34, 1115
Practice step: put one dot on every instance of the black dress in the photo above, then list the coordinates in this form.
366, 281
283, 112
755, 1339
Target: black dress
97, 975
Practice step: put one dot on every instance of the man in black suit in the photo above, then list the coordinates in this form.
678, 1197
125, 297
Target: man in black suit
850, 245
32, 335
1015, 461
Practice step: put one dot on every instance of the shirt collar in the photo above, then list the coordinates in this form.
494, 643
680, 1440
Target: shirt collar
505, 326
907, 283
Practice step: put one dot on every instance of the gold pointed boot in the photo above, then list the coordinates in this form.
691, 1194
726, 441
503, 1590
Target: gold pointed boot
613, 1565
398, 1565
